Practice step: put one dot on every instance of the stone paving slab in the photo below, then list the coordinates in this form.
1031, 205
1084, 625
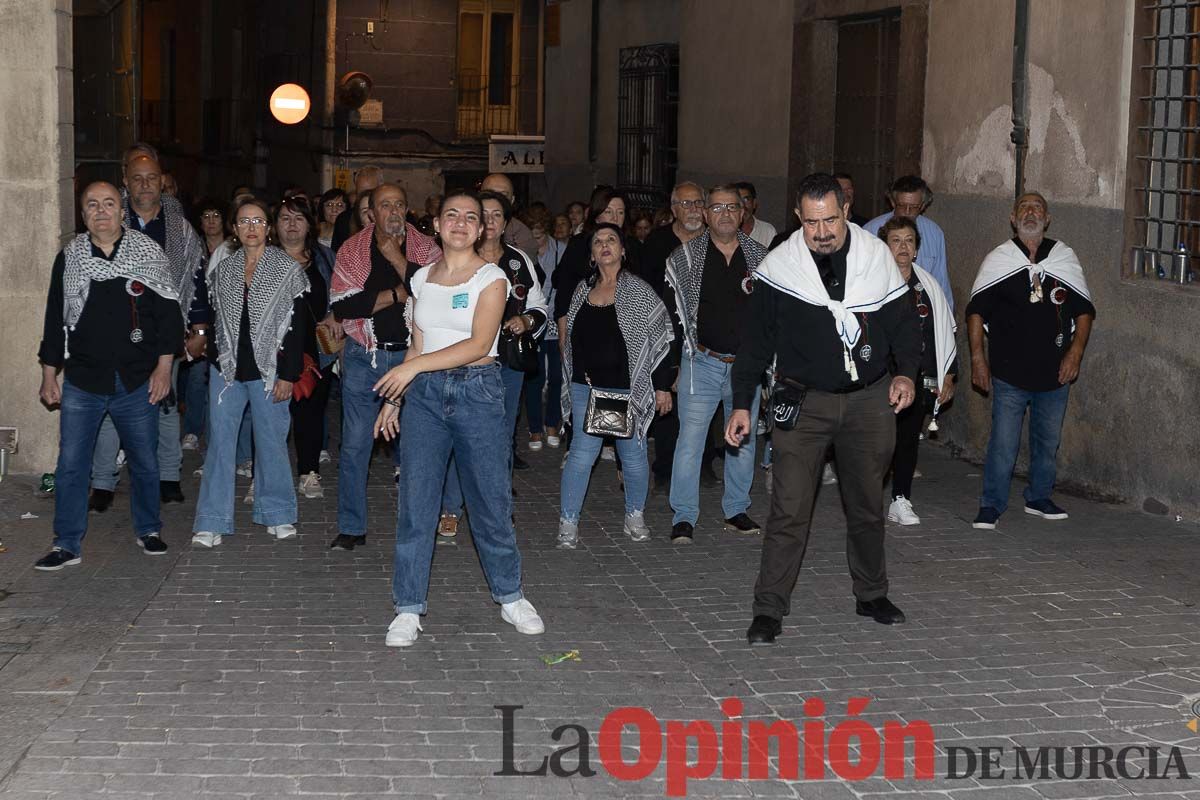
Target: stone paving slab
258, 669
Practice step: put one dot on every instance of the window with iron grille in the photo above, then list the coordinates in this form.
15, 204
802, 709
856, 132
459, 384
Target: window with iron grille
1166, 147
489, 82
647, 117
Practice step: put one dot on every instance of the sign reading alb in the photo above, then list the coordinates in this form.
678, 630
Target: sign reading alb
517, 154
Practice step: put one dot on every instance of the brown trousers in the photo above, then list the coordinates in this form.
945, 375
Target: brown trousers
862, 429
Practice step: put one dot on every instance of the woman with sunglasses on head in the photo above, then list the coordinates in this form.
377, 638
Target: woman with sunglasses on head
259, 318
453, 404
616, 350
525, 316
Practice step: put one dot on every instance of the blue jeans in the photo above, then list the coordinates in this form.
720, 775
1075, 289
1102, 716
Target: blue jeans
274, 494
135, 420
452, 497
360, 407
245, 438
1046, 412
704, 382
105, 471
196, 395
585, 449
548, 376
460, 411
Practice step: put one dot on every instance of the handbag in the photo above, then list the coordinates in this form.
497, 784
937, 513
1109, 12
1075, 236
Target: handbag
521, 352
787, 398
607, 413
326, 343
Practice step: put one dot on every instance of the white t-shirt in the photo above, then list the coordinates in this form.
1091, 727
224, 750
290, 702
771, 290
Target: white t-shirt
762, 232
445, 313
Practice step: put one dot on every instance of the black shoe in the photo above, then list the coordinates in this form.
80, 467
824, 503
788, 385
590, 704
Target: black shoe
100, 500
56, 559
152, 544
880, 609
742, 524
681, 533
763, 630
519, 463
169, 492
344, 541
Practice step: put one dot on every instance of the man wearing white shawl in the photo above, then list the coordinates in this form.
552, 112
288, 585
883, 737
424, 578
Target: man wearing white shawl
830, 308
1032, 299
112, 326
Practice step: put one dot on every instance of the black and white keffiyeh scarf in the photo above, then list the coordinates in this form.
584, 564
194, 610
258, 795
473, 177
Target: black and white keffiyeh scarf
138, 258
685, 274
185, 250
277, 282
644, 325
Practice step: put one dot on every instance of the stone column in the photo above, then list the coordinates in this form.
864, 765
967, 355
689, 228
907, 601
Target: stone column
37, 155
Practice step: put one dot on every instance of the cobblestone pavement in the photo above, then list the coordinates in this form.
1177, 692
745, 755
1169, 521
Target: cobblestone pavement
259, 669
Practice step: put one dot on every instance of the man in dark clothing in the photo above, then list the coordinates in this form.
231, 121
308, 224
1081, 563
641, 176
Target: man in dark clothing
365, 180
113, 326
831, 308
1033, 298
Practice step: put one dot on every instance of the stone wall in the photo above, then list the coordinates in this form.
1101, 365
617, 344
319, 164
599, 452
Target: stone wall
37, 196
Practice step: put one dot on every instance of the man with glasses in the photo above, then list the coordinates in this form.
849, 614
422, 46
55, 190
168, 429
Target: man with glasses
712, 279
758, 230
369, 288
910, 196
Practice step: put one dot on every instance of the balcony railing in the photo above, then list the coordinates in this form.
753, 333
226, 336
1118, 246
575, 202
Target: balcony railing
486, 108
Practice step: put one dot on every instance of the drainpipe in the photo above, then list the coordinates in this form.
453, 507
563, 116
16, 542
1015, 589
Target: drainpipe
327, 106
1020, 92
594, 80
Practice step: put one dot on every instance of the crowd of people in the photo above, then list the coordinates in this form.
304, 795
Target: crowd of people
827, 347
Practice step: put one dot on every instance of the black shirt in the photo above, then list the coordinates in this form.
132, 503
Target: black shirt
598, 351
289, 360
723, 301
1023, 345
572, 268
921, 305
101, 350
389, 322
652, 266
804, 339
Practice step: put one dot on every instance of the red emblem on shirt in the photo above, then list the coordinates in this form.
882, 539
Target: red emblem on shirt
135, 288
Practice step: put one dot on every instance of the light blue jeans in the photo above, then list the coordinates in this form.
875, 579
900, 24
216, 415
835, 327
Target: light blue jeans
585, 449
452, 497
704, 383
1046, 413
274, 492
170, 449
460, 411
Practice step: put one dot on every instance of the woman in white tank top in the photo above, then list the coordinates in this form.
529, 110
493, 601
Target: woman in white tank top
453, 403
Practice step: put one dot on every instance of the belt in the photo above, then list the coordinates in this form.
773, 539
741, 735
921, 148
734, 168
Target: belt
717, 356
858, 387
392, 347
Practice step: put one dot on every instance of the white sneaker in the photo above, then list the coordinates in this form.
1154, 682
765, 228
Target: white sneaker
828, 477
635, 527
190, 442
523, 616
901, 511
552, 440
535, 444
403, 630
249, 498
245, 470
206, 539
324, 458
310, 486
608, 453
568, 534
120, 458
396, 475
282, 531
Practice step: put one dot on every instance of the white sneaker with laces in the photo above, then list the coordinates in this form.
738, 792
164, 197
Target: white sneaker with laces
828, 477
568, 534
552, 439
403, 630
535, 444
523, 616
249, 498
608, 453
245, 470
282, 531
324, 458
901, 511
190, 442
635, 527
310, 486
206, 539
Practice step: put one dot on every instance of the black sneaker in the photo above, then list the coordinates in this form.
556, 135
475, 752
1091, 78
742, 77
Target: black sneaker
169, 492
519, 463
681, 533
1045, 509
100, 500
986, 519
56, 559
152, 544
344, 541
742, 524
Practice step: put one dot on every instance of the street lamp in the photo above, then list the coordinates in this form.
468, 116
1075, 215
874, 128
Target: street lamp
290, 103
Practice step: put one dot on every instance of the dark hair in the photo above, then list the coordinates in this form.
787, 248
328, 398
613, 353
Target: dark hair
575, 203
817, 185
208, 204
297, 206
844, 176
505, 205
470, 195
911, 183
601, 197
594, 274
900, 223
252, 200
333, 194
747, 185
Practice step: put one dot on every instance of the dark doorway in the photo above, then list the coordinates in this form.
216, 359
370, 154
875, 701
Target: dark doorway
868, 59
647, 116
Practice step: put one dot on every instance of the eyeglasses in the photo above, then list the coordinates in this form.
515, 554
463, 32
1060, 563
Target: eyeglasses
717, 208
908, 209
211, 215
252, 222
335, 204
688, 203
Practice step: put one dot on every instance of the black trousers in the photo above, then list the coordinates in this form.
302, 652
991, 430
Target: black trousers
862, 429
909, 423
308, 424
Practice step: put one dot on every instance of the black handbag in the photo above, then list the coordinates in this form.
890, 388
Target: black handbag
607, 413
787, 398
520, 352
